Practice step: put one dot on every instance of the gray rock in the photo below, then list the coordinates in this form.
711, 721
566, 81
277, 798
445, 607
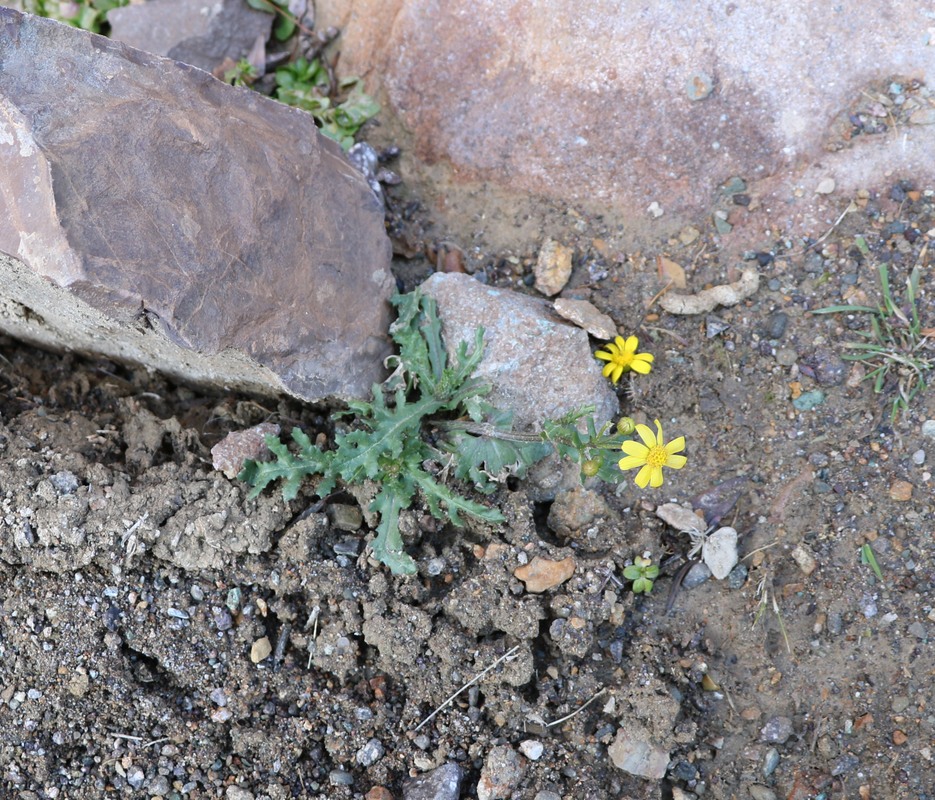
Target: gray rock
776, 730
538, 366
760, 792
152, 214
442, 783
370, 753
632, 752
200, 34
503, 770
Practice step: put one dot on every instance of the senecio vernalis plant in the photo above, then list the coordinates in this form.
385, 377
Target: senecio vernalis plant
432, 418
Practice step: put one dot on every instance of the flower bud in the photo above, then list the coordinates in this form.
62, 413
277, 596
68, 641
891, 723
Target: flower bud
626, 426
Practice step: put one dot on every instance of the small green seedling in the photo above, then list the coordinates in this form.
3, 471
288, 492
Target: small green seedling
90, 15
867, 556
307, 85
642, 572
243, 73
285, 24
898, 348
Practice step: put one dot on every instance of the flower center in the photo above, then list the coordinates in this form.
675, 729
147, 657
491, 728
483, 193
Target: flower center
657, 456
623, 359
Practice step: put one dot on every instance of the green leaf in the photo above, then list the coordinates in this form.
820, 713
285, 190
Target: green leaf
488, 461
436, 493
388, 546
289, 468
284, 27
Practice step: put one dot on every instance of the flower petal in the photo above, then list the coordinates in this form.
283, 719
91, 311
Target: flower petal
646, 435
655, 478
619, 343
632, 448
604, 356
631, 462
676, 462
631, 344
676, 445
660, 441
642, 367
642, 477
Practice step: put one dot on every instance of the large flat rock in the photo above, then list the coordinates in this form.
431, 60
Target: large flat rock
151, 213
613, 105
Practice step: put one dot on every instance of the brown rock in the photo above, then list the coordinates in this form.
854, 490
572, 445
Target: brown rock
538, 367
152, 214
586, 316
553, 267
229, 454
260, 649
542, 574
901, 491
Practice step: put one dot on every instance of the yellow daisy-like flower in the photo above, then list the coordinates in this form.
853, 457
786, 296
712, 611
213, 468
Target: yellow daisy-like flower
652, 455
621, 356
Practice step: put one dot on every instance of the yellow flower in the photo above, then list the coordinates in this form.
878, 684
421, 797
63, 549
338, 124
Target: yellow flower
652, 455
621, 356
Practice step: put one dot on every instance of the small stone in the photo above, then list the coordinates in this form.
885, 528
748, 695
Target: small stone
918, 457
845, 763
770, 761
370, 753
775, 325
697, 574
689, 235
786, 356
825, 186
901, 491
379, 793
553, 267
345, 517
654, 210
78, 685
760, 792
586, 316
699, 86
738, 577
135, 777
721, 225
338, 777
261, 649
632, 752
808, 401
574, 510
503, 770
64, 482
442, 783
828, 366
918, 630
928, 429
542, 574
719, 552
715, 326
776, 731
159, 785
899, 737
229, 454
238, 793
532, 749
804, 559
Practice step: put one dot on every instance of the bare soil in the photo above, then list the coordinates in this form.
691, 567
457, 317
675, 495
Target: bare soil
139, 587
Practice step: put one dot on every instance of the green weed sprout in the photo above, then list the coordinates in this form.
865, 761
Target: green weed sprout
285, 24
867, 556
89, 15
430, 412
897, 347
306, 84
642, 572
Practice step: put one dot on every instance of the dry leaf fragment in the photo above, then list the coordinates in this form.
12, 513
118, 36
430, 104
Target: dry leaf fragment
671, 271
